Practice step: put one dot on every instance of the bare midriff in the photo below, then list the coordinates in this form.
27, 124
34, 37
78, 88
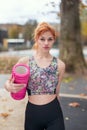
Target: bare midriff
41, 99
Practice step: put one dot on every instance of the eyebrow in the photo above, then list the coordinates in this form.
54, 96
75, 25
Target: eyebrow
48, 37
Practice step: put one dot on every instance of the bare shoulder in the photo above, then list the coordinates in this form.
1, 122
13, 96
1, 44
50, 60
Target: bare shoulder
23, 60
61, 65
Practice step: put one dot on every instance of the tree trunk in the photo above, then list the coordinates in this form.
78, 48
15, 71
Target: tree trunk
70, 37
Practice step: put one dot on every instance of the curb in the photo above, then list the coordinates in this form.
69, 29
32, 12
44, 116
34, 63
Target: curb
73, 96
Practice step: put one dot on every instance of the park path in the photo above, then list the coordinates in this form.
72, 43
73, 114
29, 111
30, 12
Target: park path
12, 112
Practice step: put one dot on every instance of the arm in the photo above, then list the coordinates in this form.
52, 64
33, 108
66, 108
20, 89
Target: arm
61, 70
10, 86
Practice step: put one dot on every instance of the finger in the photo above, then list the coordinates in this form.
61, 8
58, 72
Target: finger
10, 78
20, 85
13, 79
16, 87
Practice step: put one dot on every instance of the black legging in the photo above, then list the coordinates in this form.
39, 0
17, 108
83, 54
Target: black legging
44, 117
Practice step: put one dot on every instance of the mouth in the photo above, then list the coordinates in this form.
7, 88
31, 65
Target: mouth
46, 47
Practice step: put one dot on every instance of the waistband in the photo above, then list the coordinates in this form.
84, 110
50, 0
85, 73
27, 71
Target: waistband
40, 93
50, 104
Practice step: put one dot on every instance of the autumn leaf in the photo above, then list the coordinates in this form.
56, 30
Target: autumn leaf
83, 94
4, 99
74, 104
4, 115
10, 110
67, 79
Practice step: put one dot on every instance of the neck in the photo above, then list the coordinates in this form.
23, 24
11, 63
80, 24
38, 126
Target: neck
43, 55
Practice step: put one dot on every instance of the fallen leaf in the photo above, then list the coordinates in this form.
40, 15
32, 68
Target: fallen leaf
4, 99
10, 110
83, 94
74, 104
4, 115
67, 79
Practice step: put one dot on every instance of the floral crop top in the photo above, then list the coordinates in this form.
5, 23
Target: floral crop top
42, 80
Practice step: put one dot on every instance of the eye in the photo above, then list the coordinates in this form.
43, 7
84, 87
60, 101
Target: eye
50, 39
42, 39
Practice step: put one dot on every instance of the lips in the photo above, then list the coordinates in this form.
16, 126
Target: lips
46, 47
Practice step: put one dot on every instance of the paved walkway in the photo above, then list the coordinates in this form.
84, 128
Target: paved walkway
75, 117
73, 90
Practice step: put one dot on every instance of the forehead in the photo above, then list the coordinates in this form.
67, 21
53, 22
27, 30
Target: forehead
46, 34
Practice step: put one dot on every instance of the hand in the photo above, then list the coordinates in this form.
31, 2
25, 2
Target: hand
13, 87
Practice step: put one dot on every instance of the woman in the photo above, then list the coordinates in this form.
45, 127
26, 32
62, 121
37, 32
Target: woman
43, 111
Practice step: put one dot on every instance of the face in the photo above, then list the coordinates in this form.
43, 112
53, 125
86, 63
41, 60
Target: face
45, 41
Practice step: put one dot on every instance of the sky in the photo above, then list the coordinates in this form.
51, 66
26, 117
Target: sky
20, 11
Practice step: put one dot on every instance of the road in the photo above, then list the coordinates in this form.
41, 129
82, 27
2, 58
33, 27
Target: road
54, 52
75, 118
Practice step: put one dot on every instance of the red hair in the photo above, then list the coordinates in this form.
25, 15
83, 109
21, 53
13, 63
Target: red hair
40, 29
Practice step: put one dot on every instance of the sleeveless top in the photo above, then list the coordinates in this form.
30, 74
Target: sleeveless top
42, 80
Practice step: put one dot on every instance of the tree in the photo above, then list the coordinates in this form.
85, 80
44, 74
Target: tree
70, 37
14, 31
29, 28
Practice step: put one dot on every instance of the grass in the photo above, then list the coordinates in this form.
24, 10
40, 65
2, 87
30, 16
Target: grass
6, 64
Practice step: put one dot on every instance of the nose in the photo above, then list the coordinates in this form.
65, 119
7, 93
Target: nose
46, 42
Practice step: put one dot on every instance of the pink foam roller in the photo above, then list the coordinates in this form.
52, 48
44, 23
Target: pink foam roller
21, 74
